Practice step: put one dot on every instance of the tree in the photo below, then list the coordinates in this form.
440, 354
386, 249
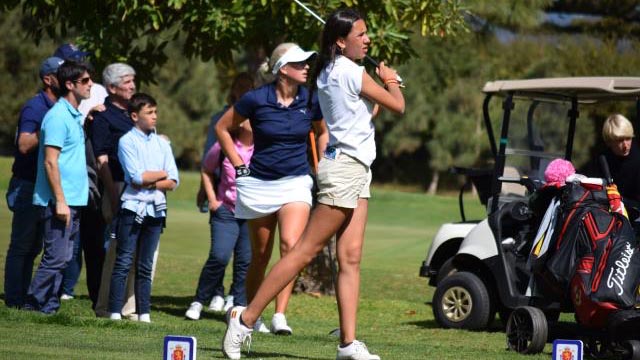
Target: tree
139, 31
509, 40
188, 90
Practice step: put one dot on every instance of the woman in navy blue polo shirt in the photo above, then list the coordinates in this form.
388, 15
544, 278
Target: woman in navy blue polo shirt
276, 188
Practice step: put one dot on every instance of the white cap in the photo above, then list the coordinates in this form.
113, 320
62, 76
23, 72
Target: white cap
295, 54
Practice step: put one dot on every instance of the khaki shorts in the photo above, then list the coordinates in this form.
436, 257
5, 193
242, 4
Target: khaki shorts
341, 182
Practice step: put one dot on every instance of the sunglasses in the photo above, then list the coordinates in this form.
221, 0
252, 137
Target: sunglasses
299, 65
83, 81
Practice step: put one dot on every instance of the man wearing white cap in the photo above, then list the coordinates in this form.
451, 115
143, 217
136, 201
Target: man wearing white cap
275, 190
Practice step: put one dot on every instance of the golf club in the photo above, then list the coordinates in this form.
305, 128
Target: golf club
369, 58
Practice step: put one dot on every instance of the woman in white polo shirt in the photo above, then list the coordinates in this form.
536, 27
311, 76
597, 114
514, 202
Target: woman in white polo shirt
348, 98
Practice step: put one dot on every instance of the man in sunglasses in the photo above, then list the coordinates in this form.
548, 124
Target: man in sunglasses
90, 244
95, 103
62, 185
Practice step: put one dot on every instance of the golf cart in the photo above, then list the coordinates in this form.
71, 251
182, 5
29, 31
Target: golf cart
479, 268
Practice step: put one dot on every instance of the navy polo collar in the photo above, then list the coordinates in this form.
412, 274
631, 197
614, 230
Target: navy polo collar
272, 97
46, 99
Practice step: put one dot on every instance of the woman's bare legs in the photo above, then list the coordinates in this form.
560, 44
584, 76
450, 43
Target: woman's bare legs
324, 222
349, 250
261, 233
292, 219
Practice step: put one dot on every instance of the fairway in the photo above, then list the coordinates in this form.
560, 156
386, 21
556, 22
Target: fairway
395, 319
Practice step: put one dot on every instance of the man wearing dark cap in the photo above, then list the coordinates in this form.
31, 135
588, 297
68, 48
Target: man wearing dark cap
26, 236
70, 52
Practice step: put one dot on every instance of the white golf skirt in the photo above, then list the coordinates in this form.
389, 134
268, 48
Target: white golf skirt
258, 198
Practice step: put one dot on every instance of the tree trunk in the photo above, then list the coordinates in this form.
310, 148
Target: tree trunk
433, 187
319, 277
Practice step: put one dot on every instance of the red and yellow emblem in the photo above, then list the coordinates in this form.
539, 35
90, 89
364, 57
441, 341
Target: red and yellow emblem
177, 353
567, 354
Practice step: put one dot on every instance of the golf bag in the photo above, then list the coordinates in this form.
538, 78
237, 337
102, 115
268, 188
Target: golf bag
577, 200
606, 278
594, 258
557, 246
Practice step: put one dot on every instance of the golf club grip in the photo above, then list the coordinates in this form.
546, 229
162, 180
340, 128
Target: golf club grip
375, 63
604, 166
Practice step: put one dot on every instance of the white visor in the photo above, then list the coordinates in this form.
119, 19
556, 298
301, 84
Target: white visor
295, 54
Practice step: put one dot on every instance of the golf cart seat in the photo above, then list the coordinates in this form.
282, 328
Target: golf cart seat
481, 181
513, 187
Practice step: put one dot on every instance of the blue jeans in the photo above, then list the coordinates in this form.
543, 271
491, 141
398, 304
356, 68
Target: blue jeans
228, 236
25, 243
58, 248
131, 236
72, 272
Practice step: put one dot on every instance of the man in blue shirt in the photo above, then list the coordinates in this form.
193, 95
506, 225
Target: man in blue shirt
62, 185
91, 239
26, 237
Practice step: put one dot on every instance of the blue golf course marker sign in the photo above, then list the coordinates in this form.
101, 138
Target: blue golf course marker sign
567, 350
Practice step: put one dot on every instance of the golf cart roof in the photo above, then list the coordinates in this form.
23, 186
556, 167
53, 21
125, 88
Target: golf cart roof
584, 89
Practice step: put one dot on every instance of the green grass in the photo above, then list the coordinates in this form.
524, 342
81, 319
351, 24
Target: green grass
395, 317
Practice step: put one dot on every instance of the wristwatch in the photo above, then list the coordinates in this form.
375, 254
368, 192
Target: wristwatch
242, 170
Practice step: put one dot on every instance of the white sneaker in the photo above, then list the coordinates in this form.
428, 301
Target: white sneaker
279, 325
194, 311
236, 334
355, 351
66, 297
145, 318
217, 303
259, 326
228, 303
115, 316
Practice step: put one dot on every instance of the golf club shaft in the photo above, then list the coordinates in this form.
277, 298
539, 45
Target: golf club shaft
367, 57
310, 11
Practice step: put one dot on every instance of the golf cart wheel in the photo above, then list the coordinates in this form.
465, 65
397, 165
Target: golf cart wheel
527, 330
632, 349
461, 301
445, 270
